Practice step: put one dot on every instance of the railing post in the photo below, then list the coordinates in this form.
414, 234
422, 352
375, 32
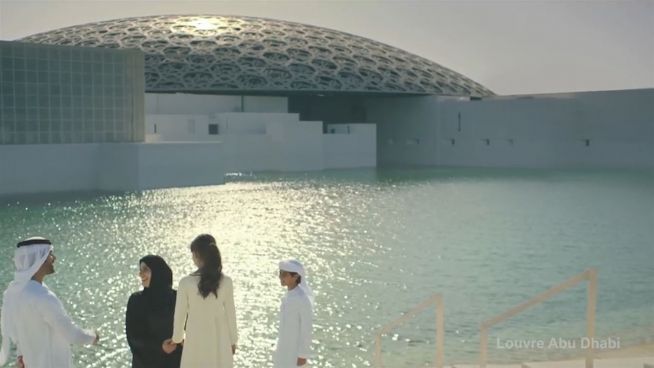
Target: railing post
435, 299
483, 348
378, 360
590, 315
589, 275
440, 331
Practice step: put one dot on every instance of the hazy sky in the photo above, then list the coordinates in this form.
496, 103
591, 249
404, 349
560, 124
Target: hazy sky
512, 47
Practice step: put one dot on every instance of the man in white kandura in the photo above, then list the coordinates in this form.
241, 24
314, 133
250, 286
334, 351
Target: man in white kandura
295, 317
32, 317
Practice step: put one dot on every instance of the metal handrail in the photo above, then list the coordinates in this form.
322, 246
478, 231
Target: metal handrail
437, 300
589, 275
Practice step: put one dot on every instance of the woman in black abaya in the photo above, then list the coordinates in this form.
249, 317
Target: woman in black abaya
149, 319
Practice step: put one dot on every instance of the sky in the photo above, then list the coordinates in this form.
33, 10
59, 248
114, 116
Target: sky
511, 47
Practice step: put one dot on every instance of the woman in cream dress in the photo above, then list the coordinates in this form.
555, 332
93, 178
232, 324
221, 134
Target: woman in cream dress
205, 317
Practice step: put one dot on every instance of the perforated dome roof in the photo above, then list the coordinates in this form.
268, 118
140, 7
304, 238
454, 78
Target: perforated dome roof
233, 54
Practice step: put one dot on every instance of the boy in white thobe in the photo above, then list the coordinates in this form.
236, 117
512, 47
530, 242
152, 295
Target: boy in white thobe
33, 317
295, 317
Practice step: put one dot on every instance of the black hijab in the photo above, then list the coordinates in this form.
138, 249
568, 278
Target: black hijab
149, 318
161, 280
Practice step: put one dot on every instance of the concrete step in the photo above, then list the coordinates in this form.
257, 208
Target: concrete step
639, 362
632, 362
487, 366
623, 362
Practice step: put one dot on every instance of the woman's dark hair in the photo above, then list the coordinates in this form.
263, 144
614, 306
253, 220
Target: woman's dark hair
205, 248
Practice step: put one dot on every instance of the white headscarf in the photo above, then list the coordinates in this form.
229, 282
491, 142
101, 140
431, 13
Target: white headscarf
293, 265
27, 259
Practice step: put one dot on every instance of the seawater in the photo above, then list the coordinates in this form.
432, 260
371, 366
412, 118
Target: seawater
376, 243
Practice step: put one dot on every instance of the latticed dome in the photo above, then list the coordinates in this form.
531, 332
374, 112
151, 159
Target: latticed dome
231, 54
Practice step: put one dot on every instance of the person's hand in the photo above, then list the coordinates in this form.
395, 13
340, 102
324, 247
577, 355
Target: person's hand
301, 361
19, 362
233, 349
97, 338
168, 346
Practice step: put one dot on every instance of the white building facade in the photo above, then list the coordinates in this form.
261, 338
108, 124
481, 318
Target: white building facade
607, 129
258, 133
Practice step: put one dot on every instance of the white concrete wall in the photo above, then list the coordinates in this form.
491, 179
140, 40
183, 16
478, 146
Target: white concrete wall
108, 166
253, 123
590, 129
160, 165
298, 146
178, 127
245, 153
182, 103
350, 146
271, 141
180, 165
257, 133
47, 167
265, 104
185, 103
406, 129
195, 127
117, 168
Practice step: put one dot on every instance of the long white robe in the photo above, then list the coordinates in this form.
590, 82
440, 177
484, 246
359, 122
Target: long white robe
43, 331
295, 326
210, 324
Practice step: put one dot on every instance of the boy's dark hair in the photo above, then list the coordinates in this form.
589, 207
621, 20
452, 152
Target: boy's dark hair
299, 278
